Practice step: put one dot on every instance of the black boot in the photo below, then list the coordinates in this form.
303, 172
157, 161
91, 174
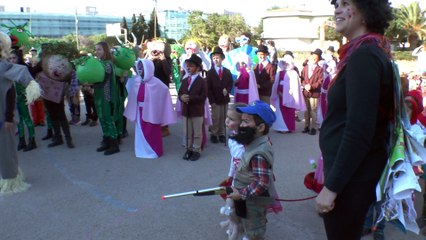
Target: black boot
125, 132
119, 139
57, 138
113, 148
31, 144
49, 134
104, 144
66, 128
70, 143
22, 144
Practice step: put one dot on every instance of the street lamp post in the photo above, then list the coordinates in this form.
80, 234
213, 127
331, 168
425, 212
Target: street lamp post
76, 28
155, 19
29, 12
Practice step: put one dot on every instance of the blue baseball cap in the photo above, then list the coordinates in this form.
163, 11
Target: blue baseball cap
261, 109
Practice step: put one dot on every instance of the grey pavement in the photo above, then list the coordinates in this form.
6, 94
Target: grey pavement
81, 194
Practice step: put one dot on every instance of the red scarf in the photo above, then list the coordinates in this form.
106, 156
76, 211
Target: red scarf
346, 50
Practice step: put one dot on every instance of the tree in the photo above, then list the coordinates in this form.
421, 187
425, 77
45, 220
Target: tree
87, 43
258, 31
413, 21
273, 8
395, 32
142, 35
139, 29
237, 26
208, 28
123, 25
330, 31
332, 35
197, 27
134, 28
153, 24
70, 38
112, 41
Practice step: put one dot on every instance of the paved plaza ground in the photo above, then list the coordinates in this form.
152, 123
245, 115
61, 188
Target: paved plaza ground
81, 194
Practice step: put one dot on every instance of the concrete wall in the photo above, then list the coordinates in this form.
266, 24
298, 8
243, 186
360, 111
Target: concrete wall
294, 29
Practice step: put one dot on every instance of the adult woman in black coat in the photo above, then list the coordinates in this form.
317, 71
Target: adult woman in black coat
355, 133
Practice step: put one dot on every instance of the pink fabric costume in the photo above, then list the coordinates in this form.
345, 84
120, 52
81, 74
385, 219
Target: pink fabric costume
150, 107
287, 84
246, 87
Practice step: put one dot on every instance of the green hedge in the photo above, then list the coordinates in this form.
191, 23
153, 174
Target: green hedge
403, 55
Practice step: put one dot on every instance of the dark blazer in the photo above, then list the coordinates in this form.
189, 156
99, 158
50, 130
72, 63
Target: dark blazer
315, 81
355, 133
197, 97
265, 79
215, 86
163, 70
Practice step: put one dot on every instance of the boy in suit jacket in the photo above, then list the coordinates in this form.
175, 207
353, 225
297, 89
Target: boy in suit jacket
192, 94
312, 77
265, 74
219, 84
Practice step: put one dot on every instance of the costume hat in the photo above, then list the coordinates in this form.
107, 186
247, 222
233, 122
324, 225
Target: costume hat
289, 53
195, 60
218, 50
262, 48
331, 49
317, 52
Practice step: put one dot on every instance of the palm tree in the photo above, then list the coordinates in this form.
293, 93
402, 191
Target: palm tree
413, 21
395, 32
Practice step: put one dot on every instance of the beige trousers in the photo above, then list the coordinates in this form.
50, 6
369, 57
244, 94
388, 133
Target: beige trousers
193, 131
311, 112
218, 119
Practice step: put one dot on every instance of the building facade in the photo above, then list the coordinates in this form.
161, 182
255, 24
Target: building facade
173, 23
296, 29
58, 25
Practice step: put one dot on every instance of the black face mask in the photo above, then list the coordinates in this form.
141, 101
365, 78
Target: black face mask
245, 135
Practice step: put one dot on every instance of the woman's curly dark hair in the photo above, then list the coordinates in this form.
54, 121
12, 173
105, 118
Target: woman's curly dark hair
377, 13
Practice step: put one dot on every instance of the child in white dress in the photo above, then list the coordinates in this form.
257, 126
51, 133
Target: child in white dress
233, 121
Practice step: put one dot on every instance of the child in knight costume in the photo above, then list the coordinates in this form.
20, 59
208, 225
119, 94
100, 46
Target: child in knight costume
12, 179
